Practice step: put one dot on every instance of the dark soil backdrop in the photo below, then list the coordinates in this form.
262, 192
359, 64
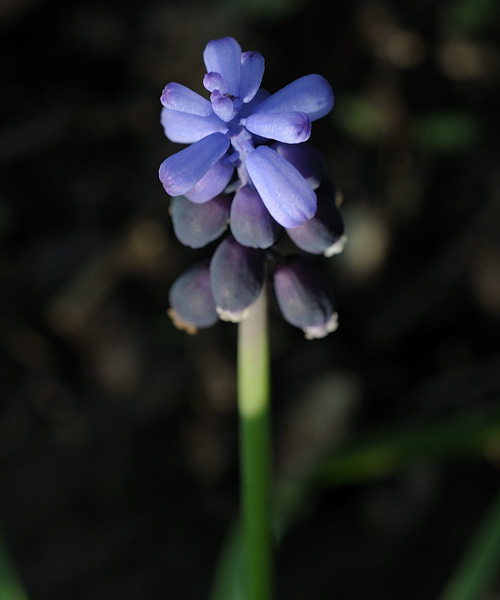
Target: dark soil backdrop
118, 433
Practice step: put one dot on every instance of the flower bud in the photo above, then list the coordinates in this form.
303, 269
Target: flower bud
286, 194
192, 304
178, 97
236, 275
252, 70
182, 171
212, 183
223, 56
196, 225
290, 127
311, 94
306, 159
324, 233
251, 223
304, 296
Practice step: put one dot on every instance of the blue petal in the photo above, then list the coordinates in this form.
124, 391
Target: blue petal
304, 296
215, 81
286, 194
192, 304
212, 183
307, 160
311, 94
185, 128
224, 56
288, 127
222, 105
179, 97
324, 233
251, 223
196, 225
237, 276
252, 70
181, 171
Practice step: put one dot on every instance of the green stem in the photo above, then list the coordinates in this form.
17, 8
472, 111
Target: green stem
255, 450
477, 571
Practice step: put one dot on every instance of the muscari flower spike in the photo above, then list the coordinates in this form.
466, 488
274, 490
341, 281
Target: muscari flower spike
249, 170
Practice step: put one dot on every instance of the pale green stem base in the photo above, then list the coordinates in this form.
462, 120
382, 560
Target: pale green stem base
255, 451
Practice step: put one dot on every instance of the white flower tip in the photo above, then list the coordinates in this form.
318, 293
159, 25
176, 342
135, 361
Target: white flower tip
230, 316
315, 332
337, 247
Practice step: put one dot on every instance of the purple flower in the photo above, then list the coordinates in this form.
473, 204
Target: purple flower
197, 225
248, 169
237, 276
304, 297
251, 223
324, 233
225, 130
191, 300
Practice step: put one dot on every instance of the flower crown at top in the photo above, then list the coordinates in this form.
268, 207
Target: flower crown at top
247, 166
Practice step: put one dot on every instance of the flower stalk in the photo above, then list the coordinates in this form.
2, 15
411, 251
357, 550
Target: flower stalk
255, 450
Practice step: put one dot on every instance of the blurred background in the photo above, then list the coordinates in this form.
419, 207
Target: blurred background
118, 433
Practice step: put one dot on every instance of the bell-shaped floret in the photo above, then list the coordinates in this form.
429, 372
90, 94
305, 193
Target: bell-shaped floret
196, 225
289, 127
304, 296
187, 128
306, 159
223, 56
252, 70
324, 233
311, 94
286, 194
192, 305
237, 276
213, 182
179, 97
181, 171
251, 223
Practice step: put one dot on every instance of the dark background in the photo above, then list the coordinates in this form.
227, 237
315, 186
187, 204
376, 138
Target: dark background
118, 433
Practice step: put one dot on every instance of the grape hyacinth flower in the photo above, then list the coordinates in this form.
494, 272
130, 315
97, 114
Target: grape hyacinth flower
249, 170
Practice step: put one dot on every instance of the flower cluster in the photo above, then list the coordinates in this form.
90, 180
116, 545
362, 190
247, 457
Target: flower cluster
249, 170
